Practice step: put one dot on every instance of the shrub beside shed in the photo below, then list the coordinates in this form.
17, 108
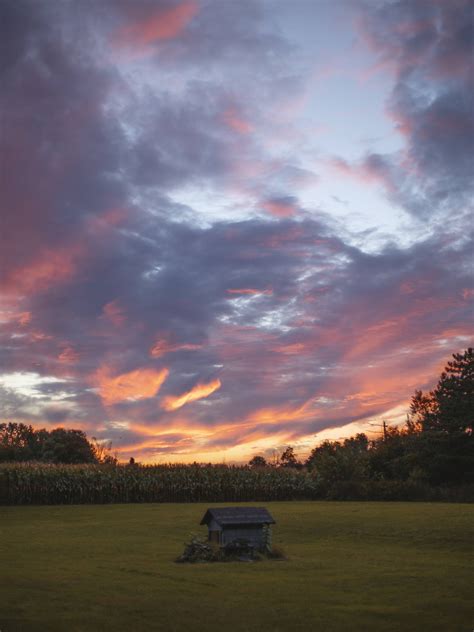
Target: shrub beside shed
231, 524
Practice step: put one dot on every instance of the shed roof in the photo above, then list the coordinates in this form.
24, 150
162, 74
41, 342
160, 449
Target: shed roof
238, 516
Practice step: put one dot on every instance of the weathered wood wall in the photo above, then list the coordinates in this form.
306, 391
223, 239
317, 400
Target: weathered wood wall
254, 535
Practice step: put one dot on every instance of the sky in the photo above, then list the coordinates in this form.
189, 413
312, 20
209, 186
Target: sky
232, 226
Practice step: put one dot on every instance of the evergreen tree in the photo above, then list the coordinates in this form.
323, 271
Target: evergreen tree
450, 406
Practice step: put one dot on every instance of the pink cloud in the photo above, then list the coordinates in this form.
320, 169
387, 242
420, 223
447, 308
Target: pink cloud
68, 355
24, 318
234, 119
114, 313
107, 220
372, 170
295, 348
162, 25
279, 208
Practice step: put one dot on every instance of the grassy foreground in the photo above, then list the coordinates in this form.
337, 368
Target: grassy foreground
351, 566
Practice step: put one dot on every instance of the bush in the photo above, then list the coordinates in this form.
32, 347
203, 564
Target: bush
199, 550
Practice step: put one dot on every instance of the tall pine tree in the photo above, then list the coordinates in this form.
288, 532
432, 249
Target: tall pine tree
450, 406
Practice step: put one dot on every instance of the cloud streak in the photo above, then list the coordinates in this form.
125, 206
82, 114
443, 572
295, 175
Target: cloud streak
160, 25
199, 391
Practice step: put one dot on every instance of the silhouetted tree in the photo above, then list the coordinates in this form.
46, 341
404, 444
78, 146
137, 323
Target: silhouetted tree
437, 440
358, 444
17, 442
288, 458
449, 407
428, 456
257, 461
103, 452
334, 461
68, 446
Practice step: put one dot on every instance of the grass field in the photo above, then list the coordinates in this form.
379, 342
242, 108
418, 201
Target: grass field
351, 566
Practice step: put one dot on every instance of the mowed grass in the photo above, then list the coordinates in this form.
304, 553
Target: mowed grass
351, 566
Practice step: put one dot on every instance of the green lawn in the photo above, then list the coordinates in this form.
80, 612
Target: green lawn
351, 567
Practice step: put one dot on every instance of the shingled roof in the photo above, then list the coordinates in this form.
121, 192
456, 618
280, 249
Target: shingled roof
238, 516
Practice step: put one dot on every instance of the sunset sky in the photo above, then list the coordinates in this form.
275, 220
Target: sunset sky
232, 226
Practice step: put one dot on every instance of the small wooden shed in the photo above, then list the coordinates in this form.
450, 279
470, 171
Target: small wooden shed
227, 524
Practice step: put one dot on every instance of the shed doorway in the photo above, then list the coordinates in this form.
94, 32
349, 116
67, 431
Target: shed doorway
215, 536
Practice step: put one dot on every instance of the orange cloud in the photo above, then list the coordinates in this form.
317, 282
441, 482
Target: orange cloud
161, 347
197, 392
52, 267
284, 413
179, 445
138, 384
164, 24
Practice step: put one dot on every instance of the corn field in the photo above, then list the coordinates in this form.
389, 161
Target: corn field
48, 484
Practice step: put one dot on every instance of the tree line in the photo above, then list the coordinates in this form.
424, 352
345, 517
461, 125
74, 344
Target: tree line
21, 442
434, 448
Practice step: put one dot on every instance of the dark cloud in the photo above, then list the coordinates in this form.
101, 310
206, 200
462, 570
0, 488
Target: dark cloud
429, 46
93, 141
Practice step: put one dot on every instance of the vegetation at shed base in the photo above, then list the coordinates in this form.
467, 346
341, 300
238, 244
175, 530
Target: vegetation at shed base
364, 567
200, 549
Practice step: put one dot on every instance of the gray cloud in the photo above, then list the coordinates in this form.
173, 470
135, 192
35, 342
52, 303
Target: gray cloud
429, 45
